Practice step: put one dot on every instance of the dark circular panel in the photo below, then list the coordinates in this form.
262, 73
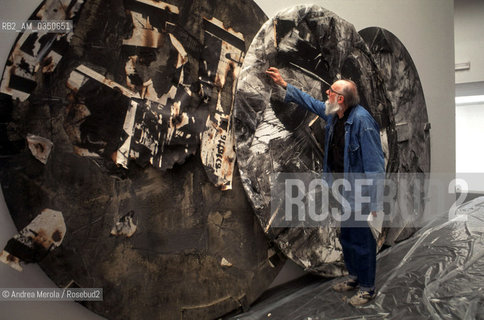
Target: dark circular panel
405, 92
128, 120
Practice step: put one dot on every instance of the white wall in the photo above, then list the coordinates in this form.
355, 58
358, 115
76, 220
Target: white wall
469, 160
469, 120
469, 39
469, 47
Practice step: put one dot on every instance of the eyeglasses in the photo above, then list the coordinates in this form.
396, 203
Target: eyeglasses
333, 91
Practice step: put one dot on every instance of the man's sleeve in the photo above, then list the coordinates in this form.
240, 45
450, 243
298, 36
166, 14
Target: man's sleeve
373, 161
305, 100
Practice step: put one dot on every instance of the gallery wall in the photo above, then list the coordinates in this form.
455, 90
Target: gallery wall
426, 28
469, 45
469, 42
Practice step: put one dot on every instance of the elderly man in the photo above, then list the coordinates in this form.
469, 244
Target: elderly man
352, 146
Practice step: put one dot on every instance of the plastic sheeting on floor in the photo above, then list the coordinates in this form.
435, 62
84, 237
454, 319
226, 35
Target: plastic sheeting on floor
436, 274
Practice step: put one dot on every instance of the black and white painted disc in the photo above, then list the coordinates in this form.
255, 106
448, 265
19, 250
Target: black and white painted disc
406, 94
312, 47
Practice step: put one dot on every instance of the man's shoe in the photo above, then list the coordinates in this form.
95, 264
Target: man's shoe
346, 285
362, 297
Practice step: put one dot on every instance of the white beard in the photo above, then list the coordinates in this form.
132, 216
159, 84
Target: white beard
331, 107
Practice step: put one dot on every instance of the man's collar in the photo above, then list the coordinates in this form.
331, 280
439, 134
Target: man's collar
346, 113
349, 120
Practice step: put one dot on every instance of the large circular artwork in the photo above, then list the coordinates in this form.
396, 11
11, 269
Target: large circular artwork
312, 47
118, 161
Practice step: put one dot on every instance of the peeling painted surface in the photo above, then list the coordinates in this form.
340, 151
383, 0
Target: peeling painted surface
143, 34
123, 153
161, 139
125, 226
218, 151
45, 233
182, 54
220, 78
157, 45
59, 9
49, 63
127, 121
161, 5
40, 147
37, 51
225, 263
164, 129
80, 76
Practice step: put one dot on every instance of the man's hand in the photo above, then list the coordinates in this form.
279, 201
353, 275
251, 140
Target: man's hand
276, 77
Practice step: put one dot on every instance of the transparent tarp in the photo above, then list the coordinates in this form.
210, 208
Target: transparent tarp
436, 274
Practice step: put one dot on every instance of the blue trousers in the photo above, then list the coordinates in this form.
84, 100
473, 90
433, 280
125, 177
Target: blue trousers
359, 251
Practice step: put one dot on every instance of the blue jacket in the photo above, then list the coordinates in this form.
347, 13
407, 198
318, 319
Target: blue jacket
363, 152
